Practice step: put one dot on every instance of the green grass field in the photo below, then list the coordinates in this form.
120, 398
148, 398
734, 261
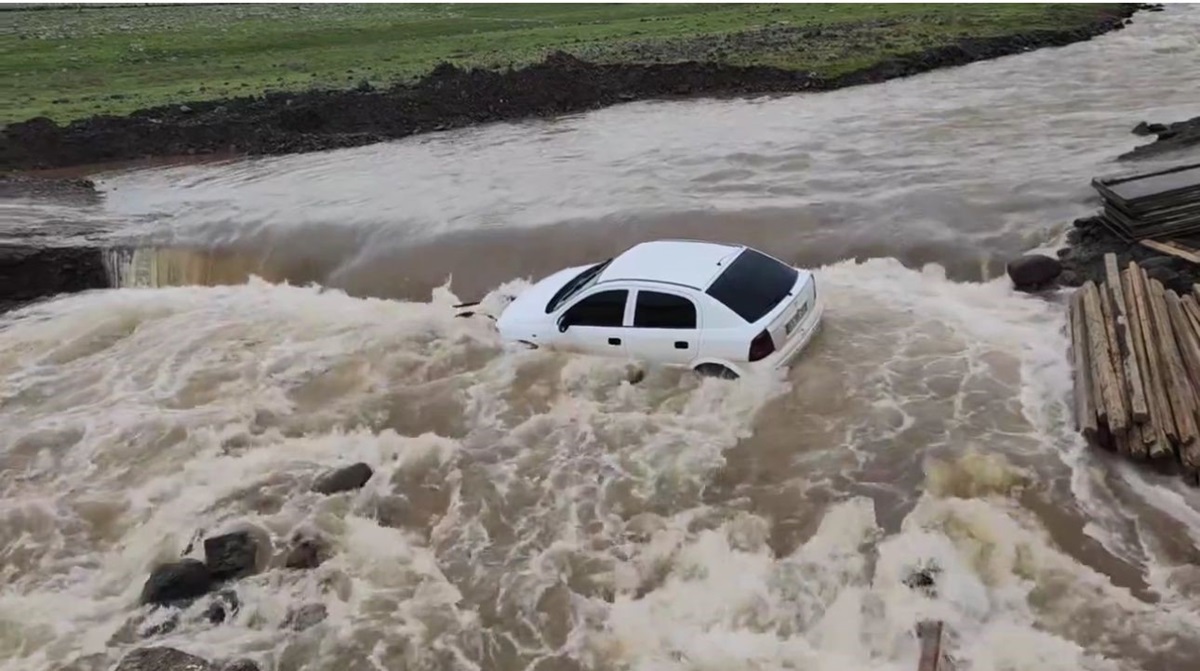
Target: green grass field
68, 62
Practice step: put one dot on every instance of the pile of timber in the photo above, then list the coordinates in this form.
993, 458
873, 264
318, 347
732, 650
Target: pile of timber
1151, 206
1136, 353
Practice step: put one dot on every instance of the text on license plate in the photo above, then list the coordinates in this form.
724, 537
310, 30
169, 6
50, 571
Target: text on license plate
791, 323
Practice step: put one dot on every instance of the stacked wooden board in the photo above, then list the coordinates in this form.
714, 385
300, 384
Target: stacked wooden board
1136, 354
1156, 205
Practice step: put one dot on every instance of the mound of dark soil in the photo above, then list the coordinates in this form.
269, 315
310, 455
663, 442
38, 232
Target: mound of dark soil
450, 97
1089, 241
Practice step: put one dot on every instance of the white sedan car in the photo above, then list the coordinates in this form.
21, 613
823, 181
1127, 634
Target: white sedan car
723, 310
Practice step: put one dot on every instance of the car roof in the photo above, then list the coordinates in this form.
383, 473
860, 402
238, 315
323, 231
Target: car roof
691, 263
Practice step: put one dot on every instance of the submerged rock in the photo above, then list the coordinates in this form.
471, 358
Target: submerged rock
306, 616
343, 479
158, 622
177, 583
224, 605
1033, 271
162, 659
241, 665
308, 552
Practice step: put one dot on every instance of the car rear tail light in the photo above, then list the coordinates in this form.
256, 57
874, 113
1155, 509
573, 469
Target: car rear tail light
762, 346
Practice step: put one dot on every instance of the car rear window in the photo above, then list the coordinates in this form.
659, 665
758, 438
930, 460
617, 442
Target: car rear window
753, 284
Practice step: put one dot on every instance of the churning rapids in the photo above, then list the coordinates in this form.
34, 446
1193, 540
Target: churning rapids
536, 511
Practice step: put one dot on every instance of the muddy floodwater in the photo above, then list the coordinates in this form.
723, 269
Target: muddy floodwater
529, 510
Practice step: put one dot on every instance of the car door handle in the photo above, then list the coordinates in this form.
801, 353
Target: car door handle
681, 344
614, 341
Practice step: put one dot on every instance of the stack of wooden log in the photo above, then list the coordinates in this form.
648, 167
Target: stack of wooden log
1136, 354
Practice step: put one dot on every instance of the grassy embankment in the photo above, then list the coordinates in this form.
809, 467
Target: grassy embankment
75, 61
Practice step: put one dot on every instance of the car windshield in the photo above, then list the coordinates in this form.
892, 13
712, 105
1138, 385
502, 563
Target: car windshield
586, 278
753, 284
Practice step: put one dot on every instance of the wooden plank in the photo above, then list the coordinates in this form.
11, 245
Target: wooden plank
1114, 355
1141, 437
1102, 361
1153, 400
1185, 339
1165, 418
933, 658
1151, 185
1127, 359
1192, 309
1168, 249
1183, 403
1189, 347
1181, 247
1085, 399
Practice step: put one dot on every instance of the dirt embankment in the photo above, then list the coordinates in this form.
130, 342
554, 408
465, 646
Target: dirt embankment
29, 272
450, 97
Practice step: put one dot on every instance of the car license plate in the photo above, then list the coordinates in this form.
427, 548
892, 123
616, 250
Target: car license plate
791, 324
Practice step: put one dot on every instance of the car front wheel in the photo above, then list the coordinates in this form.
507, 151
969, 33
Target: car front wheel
716, 370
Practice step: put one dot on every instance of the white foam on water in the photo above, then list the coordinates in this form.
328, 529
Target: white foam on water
192, 407
558, 511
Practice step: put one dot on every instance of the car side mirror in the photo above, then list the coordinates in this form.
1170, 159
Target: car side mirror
563, 324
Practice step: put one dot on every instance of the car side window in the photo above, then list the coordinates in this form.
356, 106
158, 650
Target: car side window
603, 308
656, 310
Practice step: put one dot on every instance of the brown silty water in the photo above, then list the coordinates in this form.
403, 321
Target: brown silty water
533, 510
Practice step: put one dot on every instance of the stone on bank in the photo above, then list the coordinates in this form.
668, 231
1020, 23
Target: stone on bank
1033, 272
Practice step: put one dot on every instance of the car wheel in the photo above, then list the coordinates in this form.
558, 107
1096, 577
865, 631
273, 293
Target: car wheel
716, 370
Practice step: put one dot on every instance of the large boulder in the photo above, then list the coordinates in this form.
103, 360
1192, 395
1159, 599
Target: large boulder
343, 479
1033, 271
177, 583
162, 659
232, 555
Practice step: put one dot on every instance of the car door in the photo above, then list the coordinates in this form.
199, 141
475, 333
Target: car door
665, 328
594, 324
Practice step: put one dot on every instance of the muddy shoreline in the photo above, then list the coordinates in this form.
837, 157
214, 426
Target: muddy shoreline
450, 97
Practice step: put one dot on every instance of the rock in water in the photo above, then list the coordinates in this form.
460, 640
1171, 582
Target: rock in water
308, 615
231, 556
307, 553
162, 659
343, 479
177, 583
1033, 271
224, 605
241, 665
